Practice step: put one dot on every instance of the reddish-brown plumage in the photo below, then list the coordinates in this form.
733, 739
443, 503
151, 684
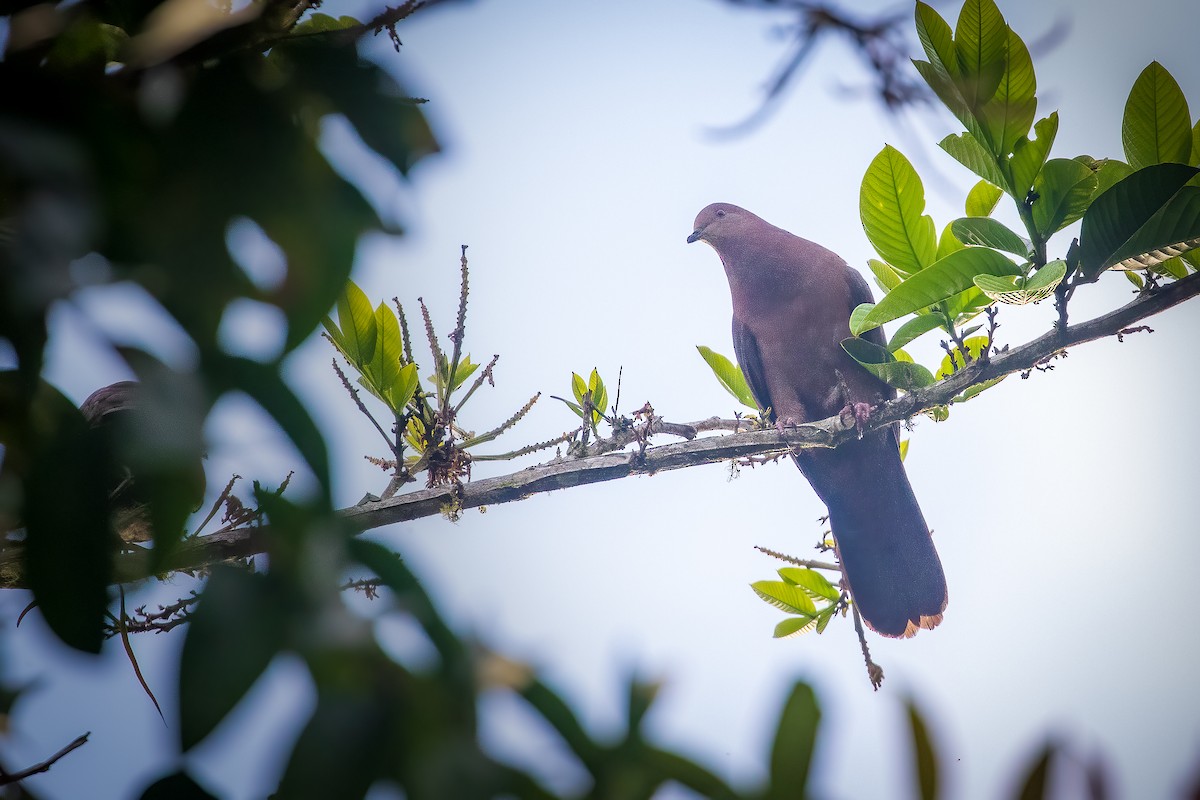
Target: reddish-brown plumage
792, 300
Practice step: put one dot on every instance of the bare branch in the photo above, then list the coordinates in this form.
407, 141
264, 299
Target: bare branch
44, 766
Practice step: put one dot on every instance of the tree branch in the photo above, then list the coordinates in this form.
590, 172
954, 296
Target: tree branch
77, 742
563, 473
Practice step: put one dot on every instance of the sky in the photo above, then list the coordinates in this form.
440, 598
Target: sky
576, 155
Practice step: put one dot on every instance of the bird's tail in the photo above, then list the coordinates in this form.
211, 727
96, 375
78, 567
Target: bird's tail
883, 543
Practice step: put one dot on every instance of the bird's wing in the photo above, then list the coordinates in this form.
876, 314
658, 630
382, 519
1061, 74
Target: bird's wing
745, 347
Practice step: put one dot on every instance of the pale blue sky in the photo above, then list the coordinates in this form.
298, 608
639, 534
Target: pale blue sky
574, 164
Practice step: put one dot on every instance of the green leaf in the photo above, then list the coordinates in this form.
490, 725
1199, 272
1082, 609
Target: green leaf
785, 597
924, 757
384, 367
357, 322
1018, 291
811, 581
578, 386
403, 388
943, 279
1064, 188
1109, 173
982, 199
64, 466
885, 277
599, 393
891, 202
323, 23
975, 345
1156, 128
792, 750
1142, 220
987, 232
967, 150
980, 42
889, 367
947, 242
177, 786
1174, 267
914, 328
1195, 159
729, 376
1007, 116
936, 39
859, 314
794, 626
1029, 155
236, 630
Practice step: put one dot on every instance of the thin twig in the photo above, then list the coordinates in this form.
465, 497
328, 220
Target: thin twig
44, 766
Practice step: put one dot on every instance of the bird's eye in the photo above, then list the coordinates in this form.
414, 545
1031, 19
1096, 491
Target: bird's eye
720, 212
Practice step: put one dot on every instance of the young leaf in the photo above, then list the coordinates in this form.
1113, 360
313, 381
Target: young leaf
599, 393
987, 232
385, 363
940, 281
403, 388
982, 199
923, 755
913, 329
1007, 116
1064, 189
794, 626
980, 42
811, 581
357, 322
893, 369
885, 277
1156, 128
891, 204
785, 597
975, 346
729, 375
968, 151
1029, 155
1142, 220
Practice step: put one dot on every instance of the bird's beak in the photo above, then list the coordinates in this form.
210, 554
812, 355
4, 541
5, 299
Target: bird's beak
696, 234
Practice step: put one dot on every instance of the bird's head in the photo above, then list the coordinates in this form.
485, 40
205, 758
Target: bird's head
717, 220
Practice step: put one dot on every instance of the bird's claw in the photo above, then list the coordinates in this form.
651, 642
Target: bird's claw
783, 423
860, 413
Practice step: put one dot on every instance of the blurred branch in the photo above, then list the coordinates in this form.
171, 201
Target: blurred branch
879, 41
604, 460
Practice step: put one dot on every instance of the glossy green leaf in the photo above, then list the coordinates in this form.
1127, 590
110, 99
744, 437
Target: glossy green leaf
885, 277
826, 614
1156, 128
924, 757
913, 329
385, 362
891, 204
936, 39
1142, 220
1174, 267
968, 151
942, 280
982, 199
403, 388
785, 596
356, 321
891, 368
987, 232
238, 627
1109, 173
948, 242
1064, 189
794, 626
1015, 290
811, 581
599, 392
1029, 155
1008, 115
980, 42
795, 740
729, 375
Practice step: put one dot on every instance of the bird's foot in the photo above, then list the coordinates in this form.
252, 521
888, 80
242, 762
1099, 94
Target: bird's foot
783, 423
859, 413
